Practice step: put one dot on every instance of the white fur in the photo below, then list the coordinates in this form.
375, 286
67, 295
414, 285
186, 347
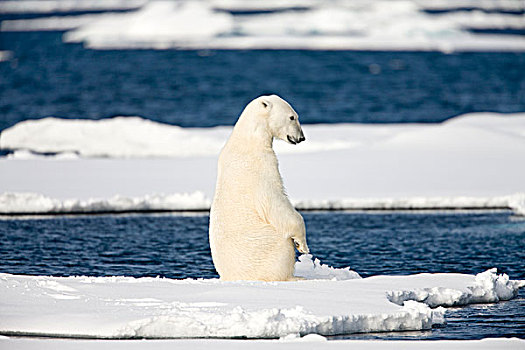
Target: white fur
253, 225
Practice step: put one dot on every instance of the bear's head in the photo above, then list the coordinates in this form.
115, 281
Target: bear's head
282, 120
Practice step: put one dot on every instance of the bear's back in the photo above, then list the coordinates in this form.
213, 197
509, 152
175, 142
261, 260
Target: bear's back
244, 244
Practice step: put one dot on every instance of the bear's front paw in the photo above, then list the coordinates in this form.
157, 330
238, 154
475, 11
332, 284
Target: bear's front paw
302, 247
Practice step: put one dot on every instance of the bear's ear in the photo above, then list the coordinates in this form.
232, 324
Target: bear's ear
266, 104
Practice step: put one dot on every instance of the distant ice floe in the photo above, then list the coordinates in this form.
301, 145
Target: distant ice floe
26, 203
125, 307
129, 137
514, 202
39, 204
314, 25
57, 6
135, 137
130, 164
116, 137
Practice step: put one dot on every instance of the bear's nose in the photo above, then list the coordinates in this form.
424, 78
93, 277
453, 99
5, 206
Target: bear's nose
301, 137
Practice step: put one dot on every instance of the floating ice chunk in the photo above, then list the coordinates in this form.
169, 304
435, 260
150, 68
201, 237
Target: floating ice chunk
158, 23
492, 287
488, 287
124, 307
313, 269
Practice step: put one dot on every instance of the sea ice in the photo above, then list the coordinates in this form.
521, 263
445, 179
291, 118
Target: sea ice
468, 162
56, 6
135, 137
313, 24
125, 307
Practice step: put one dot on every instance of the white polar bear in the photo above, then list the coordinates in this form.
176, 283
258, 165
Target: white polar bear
253, 225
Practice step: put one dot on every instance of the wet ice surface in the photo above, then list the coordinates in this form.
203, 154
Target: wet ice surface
371, 244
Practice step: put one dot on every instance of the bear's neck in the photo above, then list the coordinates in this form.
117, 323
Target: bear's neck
247, 134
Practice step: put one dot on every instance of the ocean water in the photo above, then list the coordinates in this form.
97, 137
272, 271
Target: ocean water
392, 243
196, 88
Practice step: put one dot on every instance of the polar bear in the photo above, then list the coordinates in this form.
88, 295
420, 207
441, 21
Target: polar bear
253, 225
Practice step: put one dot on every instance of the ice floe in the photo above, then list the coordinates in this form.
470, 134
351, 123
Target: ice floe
57, 6
24, 203
125, 307
128, 137
315, 25
468, 162
116, 137
34, 203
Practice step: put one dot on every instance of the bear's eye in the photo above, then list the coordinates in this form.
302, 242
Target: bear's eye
292, 117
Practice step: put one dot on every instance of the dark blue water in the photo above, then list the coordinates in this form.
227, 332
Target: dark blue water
176, 246
207, 88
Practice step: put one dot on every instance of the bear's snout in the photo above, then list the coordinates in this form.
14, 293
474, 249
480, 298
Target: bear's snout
301, 138
294, 140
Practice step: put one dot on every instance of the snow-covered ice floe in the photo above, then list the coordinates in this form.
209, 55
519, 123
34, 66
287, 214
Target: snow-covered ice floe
313, 24
468, 162
125, 307
64, 6
135, 137
35, 203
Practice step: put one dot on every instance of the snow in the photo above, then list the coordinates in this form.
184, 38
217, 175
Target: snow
21, 203
500, 5
37, 203
314, 25
468, 162
56, 6
52, 23
310, 268
116, 137
135, 137
126, 307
